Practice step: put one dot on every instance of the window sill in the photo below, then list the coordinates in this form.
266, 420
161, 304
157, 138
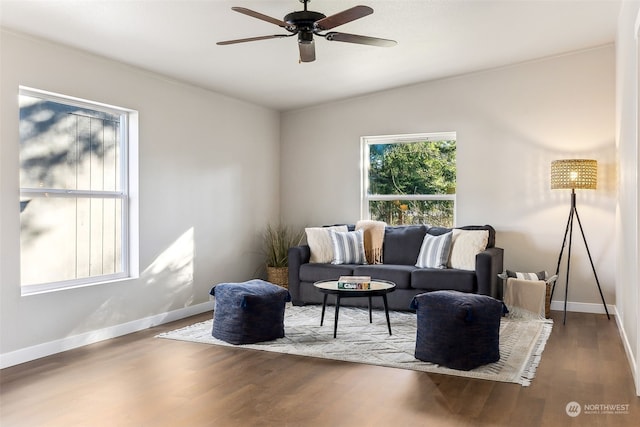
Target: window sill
29, 290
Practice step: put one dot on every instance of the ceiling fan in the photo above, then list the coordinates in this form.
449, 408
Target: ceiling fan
306, 23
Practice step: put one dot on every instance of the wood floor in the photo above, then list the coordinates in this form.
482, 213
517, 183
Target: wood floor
139, 380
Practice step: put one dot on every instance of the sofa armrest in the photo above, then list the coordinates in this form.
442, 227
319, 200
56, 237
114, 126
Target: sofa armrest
297, 256
489, 263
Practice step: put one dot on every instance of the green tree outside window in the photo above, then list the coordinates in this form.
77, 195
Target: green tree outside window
424, 172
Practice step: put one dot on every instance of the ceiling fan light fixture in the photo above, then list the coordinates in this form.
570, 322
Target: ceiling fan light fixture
305, 37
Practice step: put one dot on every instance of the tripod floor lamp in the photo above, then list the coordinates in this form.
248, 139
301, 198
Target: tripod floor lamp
571, 175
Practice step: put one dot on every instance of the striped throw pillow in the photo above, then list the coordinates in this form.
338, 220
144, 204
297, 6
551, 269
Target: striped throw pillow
348, 247
541, 275
434, 252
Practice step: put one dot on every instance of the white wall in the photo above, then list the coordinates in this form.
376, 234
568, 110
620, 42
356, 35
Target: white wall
511, 123
628, 209
209, 176
209, 170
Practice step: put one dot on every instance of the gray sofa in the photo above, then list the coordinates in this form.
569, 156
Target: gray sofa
400, 252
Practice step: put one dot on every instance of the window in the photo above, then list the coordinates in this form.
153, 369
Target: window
74, 192
410, 179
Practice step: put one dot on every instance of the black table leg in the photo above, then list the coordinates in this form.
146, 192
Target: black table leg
335, 324
370, 318
386, 311
324, 304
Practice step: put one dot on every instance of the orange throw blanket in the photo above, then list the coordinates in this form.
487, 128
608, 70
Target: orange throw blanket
373, 239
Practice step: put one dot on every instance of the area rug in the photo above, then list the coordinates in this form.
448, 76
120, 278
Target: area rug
521, 342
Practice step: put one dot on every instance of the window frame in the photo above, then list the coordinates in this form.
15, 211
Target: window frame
127, 194
367, 141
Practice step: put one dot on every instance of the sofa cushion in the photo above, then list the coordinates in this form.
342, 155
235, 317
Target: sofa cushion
320, 244
402, 244
314, 272
435, 251
398, 274
433, 279
348, 247
438, 231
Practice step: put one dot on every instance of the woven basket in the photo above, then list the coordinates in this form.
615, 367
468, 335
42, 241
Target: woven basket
278, 276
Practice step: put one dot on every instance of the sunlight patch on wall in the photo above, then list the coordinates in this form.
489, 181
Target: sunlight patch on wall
173, 268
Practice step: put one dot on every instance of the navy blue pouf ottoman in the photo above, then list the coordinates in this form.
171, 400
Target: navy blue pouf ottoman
456, 329
249, 312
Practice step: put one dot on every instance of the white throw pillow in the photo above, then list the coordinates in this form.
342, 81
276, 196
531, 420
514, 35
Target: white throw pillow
348, 248
319, 241
434, 251
465, 245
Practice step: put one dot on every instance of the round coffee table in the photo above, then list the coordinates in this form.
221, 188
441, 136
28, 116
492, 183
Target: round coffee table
378, 288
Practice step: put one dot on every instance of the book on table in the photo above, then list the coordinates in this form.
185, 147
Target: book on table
354, 282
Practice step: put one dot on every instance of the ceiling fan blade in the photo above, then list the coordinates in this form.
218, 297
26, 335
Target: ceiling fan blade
253, 39
343, 17
307, 52
354, 38
259, 15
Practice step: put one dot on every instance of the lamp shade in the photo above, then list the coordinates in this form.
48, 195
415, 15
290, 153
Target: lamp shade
574, 174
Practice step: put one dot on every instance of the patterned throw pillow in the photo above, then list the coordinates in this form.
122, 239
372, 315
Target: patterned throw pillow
348, 248
434, 252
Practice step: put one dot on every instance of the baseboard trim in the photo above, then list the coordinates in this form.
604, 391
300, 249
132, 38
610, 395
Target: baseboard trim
47, 349
628, 351
583, 307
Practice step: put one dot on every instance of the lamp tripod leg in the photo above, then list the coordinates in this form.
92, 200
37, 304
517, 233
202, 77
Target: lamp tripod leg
564, 241
592, 266
566, 285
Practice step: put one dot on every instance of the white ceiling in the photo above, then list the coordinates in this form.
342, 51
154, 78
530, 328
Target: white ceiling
436, 38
